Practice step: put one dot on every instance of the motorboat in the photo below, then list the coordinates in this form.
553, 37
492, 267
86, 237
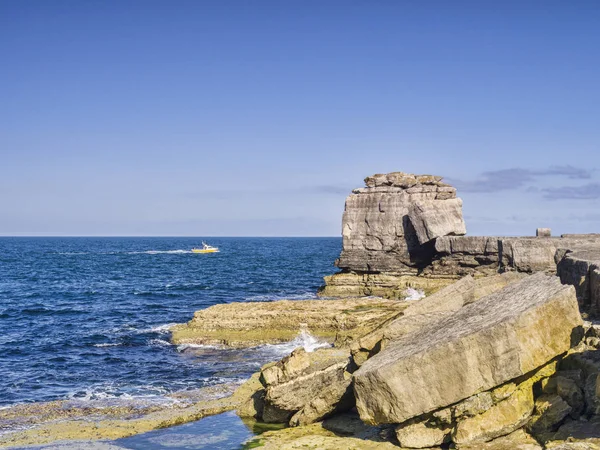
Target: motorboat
205, 249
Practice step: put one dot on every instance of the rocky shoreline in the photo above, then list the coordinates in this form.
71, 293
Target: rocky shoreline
496, 356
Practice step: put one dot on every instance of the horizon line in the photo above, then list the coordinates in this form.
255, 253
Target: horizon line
156, 236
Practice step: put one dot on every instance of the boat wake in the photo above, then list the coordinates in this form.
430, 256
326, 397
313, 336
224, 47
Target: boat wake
160, 252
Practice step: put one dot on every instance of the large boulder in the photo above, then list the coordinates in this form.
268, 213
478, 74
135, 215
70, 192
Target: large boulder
305, 387
485, 344
434, 218
431, 308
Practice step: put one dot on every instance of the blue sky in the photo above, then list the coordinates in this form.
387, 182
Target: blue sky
258, 118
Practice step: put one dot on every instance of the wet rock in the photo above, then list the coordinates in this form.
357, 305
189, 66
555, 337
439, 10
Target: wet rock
485, 344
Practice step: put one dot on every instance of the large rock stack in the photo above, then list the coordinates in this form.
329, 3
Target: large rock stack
405, 230
389, 229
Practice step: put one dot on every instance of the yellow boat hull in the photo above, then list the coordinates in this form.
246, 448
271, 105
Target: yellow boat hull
200, 250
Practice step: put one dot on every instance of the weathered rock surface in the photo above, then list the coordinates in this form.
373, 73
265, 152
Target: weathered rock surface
422, 434
434, 218
498, 420
581, 268
403, 230
378, 235
483, 255
519, 440
306, 387
388, 285
465, 255
431, 308
343, 431
485, 344
250, 324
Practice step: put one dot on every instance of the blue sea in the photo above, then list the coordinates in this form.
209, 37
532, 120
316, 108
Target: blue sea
87, 318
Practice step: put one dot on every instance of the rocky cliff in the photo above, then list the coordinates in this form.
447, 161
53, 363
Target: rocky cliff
390, 225
389, 229
405, 230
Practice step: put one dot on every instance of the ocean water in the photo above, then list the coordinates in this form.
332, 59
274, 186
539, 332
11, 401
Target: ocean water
88, 318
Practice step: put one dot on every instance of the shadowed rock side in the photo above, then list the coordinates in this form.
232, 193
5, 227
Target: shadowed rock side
580, 267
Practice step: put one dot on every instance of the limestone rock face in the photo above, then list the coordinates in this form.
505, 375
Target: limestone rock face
420, 434
377, 228
499, 420
484, 255
581, 268
255, 323
434, 218
540, 254
485, 344
445, 301
387, 285
305, 387
465, 255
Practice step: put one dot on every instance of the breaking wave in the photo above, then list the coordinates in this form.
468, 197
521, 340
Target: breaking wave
414, 294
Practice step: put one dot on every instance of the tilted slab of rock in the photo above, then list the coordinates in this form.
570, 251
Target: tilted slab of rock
445, 301
255, 323
432, 219
487, 343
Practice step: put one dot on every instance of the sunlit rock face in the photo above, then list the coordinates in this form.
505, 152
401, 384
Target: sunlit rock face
391, 224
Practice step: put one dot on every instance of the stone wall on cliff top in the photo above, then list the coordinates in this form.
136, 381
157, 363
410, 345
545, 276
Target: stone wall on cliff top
391, 224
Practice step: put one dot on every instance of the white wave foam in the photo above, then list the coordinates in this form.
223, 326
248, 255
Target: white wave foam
110, 396
414, 294
304, 339
160, 329
183, 347
160, 342
106, 345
